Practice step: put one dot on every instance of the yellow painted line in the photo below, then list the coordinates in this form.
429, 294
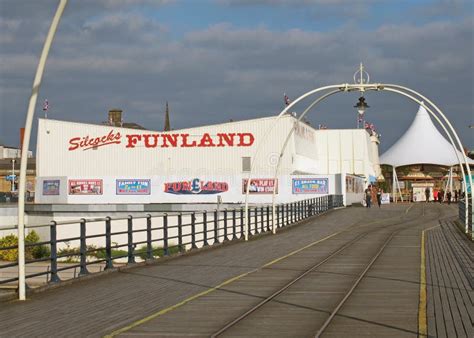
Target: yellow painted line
408, 209
422, 321
233, 279
168, 309
422, 304
187, 300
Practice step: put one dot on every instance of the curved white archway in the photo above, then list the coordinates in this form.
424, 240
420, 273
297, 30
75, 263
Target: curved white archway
362, 88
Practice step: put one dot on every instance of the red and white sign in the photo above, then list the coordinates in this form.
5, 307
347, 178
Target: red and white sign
260, 186
85, 187
164, 140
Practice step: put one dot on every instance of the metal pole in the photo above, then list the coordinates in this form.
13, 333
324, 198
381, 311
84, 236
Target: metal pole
394, 173
285, 144
13, 175
24, 149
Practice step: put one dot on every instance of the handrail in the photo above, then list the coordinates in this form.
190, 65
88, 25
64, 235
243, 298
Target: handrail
160, 234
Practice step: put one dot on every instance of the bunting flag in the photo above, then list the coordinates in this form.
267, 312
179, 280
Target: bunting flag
287, 99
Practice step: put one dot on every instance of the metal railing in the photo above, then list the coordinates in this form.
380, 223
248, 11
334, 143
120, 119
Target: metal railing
108, 241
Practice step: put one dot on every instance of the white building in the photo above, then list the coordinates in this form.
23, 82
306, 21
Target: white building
11, 152
86, 163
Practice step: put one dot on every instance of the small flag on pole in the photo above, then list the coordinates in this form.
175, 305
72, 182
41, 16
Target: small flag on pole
45, 108
287, 99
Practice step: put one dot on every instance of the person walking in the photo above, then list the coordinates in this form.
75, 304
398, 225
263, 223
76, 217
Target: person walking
379, 197
368, 196
448, 196
427, 194
455, 196
440, 196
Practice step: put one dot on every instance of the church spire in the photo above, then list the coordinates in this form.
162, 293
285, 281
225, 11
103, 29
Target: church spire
167, 119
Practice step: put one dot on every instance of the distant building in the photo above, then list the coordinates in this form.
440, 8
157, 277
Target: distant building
11, 152
116, 120
87, 163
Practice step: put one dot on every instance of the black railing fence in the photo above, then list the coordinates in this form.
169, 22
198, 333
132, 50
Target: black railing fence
76, 245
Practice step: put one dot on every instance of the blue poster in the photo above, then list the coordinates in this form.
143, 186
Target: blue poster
310, 186
468, 183
51, 187
133, 187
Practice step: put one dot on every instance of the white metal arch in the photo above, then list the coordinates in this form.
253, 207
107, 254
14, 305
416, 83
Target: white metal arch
387, 89
359, 87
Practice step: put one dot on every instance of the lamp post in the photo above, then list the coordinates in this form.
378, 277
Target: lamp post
361, 107
361, 77
24, 150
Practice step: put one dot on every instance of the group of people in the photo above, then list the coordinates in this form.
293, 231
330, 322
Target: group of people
438, 195
373, 193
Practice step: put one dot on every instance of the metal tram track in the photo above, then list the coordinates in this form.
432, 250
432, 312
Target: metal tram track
317, 265
362, 275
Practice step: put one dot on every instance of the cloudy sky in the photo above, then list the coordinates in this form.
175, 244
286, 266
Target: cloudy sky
216, 60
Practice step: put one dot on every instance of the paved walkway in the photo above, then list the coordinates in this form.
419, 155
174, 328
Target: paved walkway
450, 282
103, 305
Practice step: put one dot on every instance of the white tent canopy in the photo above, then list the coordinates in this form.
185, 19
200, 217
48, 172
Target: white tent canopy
422, 143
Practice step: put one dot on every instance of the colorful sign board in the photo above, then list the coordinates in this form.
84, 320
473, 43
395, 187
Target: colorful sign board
260, 186
51, 187
133, 187
195, 186
85, 187
310, 186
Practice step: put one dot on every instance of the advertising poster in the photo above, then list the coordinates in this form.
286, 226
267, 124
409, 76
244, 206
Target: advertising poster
260, 186
385, 198
85, 187
133, 187
310, 186
51, 187
349, 184
468, 183
195, 187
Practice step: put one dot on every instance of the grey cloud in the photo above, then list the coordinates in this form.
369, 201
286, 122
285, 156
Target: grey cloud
224, 72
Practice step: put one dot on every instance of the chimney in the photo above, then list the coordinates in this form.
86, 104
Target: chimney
22, 136
115, 117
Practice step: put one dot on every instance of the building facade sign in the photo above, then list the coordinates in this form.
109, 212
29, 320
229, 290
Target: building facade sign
162, 140
310, 186
260, 186
195, 186
133, 187
51, 187
85, 187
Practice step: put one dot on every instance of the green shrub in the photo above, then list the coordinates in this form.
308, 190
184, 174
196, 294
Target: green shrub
156, 251
101, 254
35, 252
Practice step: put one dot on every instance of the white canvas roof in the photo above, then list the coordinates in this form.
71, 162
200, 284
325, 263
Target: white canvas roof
422, 143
